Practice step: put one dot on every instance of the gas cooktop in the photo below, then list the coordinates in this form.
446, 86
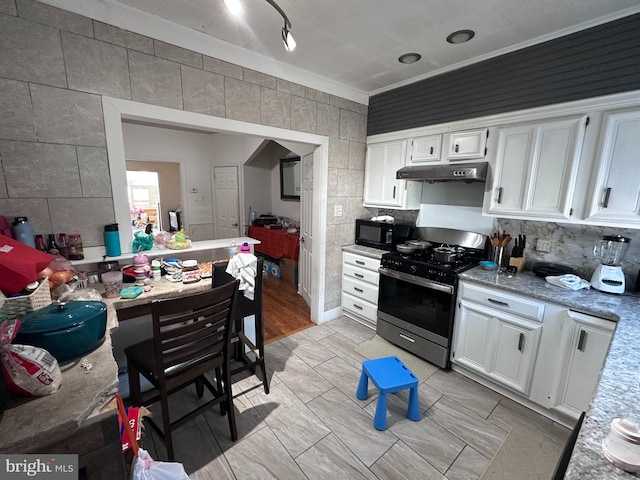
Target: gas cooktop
423, 264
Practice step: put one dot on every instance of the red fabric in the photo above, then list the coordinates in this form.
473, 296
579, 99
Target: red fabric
19, 265
276, 243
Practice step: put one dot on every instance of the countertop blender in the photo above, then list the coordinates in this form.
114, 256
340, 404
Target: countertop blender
608, 276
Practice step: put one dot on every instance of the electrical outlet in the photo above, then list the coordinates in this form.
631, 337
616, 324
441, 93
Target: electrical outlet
337, 211
543, 245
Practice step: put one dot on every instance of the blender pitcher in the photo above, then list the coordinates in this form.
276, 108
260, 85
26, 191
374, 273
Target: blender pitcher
611, 249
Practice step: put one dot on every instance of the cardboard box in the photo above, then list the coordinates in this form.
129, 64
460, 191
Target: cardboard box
289, 270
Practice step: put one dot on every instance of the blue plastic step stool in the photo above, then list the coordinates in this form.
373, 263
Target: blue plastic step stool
389, 375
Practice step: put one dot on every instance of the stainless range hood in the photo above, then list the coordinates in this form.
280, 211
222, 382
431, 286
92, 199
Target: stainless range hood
469, 172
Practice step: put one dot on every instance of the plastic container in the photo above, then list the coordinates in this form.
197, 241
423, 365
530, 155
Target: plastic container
190, 272
156, 270
23, 232
621, 446
112, 240
112, 282
245, 248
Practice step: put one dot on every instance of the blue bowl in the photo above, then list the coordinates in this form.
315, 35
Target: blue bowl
488, 265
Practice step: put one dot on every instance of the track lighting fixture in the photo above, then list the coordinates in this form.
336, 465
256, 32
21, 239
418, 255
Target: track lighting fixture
235, 7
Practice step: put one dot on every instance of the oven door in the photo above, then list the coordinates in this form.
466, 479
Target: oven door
418, 305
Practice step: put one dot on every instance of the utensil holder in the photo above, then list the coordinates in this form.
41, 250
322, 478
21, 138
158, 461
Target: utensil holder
517, 262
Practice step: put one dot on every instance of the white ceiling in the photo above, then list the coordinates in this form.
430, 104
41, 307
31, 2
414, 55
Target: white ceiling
356, 43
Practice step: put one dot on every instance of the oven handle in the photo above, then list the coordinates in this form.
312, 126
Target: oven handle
423, 282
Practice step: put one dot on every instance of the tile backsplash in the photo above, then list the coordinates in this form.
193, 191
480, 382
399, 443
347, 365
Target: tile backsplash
573, 245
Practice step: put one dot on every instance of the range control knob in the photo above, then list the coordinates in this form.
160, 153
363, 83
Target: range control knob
413, 269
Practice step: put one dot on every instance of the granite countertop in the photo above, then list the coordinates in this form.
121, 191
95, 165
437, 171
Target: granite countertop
366, 251
618, 391
31, 423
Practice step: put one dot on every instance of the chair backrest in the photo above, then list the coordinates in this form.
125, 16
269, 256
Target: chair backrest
246, 306
193, 328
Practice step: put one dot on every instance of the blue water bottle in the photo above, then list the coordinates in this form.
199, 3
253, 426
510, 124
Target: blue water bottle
112, 240
23, 232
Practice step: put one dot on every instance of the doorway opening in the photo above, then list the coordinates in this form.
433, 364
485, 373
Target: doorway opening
144, 200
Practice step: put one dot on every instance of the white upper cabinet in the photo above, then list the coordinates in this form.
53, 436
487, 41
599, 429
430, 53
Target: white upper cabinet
467, 145
535, 169
381, 187
424, 149
615, 192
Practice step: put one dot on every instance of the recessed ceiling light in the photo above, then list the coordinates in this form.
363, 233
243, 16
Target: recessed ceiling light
409, 58
460, 36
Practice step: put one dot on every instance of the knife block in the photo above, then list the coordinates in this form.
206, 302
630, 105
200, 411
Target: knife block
517, 262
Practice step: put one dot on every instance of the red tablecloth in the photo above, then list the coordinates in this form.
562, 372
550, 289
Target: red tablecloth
276, 243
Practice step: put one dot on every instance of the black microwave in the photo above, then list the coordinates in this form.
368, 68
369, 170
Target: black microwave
383, 235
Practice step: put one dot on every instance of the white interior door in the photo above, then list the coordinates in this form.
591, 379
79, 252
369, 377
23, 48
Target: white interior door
227, 202
306, 230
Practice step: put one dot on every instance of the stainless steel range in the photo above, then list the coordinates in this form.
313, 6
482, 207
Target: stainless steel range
417, 293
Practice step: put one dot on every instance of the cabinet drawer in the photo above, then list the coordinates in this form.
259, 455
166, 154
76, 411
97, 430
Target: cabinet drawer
360, 274
360, 289
504, 301
361, 261
359, 307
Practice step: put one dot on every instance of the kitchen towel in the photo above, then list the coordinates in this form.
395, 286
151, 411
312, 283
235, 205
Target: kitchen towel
570, 282
243, 267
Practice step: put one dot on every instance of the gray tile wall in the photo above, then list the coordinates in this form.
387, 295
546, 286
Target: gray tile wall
55, 66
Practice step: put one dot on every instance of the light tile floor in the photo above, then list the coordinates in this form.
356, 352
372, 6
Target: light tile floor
312, 426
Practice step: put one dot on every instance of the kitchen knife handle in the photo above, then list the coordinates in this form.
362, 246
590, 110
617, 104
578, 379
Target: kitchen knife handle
499, 199
521, 342
607, 194
581, 340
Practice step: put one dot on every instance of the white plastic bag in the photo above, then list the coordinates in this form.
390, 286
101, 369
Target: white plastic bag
146, 468
27, 370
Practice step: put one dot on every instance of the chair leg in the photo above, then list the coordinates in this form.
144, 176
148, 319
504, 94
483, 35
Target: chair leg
362, 393
229, 405
199, 387
260, 344
166, 424
135, 396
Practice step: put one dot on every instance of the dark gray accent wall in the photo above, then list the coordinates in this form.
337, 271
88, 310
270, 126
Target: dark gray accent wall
601, 60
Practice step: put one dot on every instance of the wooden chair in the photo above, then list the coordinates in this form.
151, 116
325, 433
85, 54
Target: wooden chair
563, 463
245, 308
191, 336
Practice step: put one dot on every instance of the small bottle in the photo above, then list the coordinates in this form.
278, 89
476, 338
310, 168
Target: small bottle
52, 245
233, 249
156, 270
62, 244
40, 244
76, 251
190, 272
23, 232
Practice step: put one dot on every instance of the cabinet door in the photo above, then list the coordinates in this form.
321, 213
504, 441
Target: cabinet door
466, 145
536, 167
472, 339
425, 149
515, 145
515, 352
616, 187
587, 344
381, 188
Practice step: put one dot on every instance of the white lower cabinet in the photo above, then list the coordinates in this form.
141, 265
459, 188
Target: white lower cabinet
585, 346
499, 343
541, 354
360, 280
